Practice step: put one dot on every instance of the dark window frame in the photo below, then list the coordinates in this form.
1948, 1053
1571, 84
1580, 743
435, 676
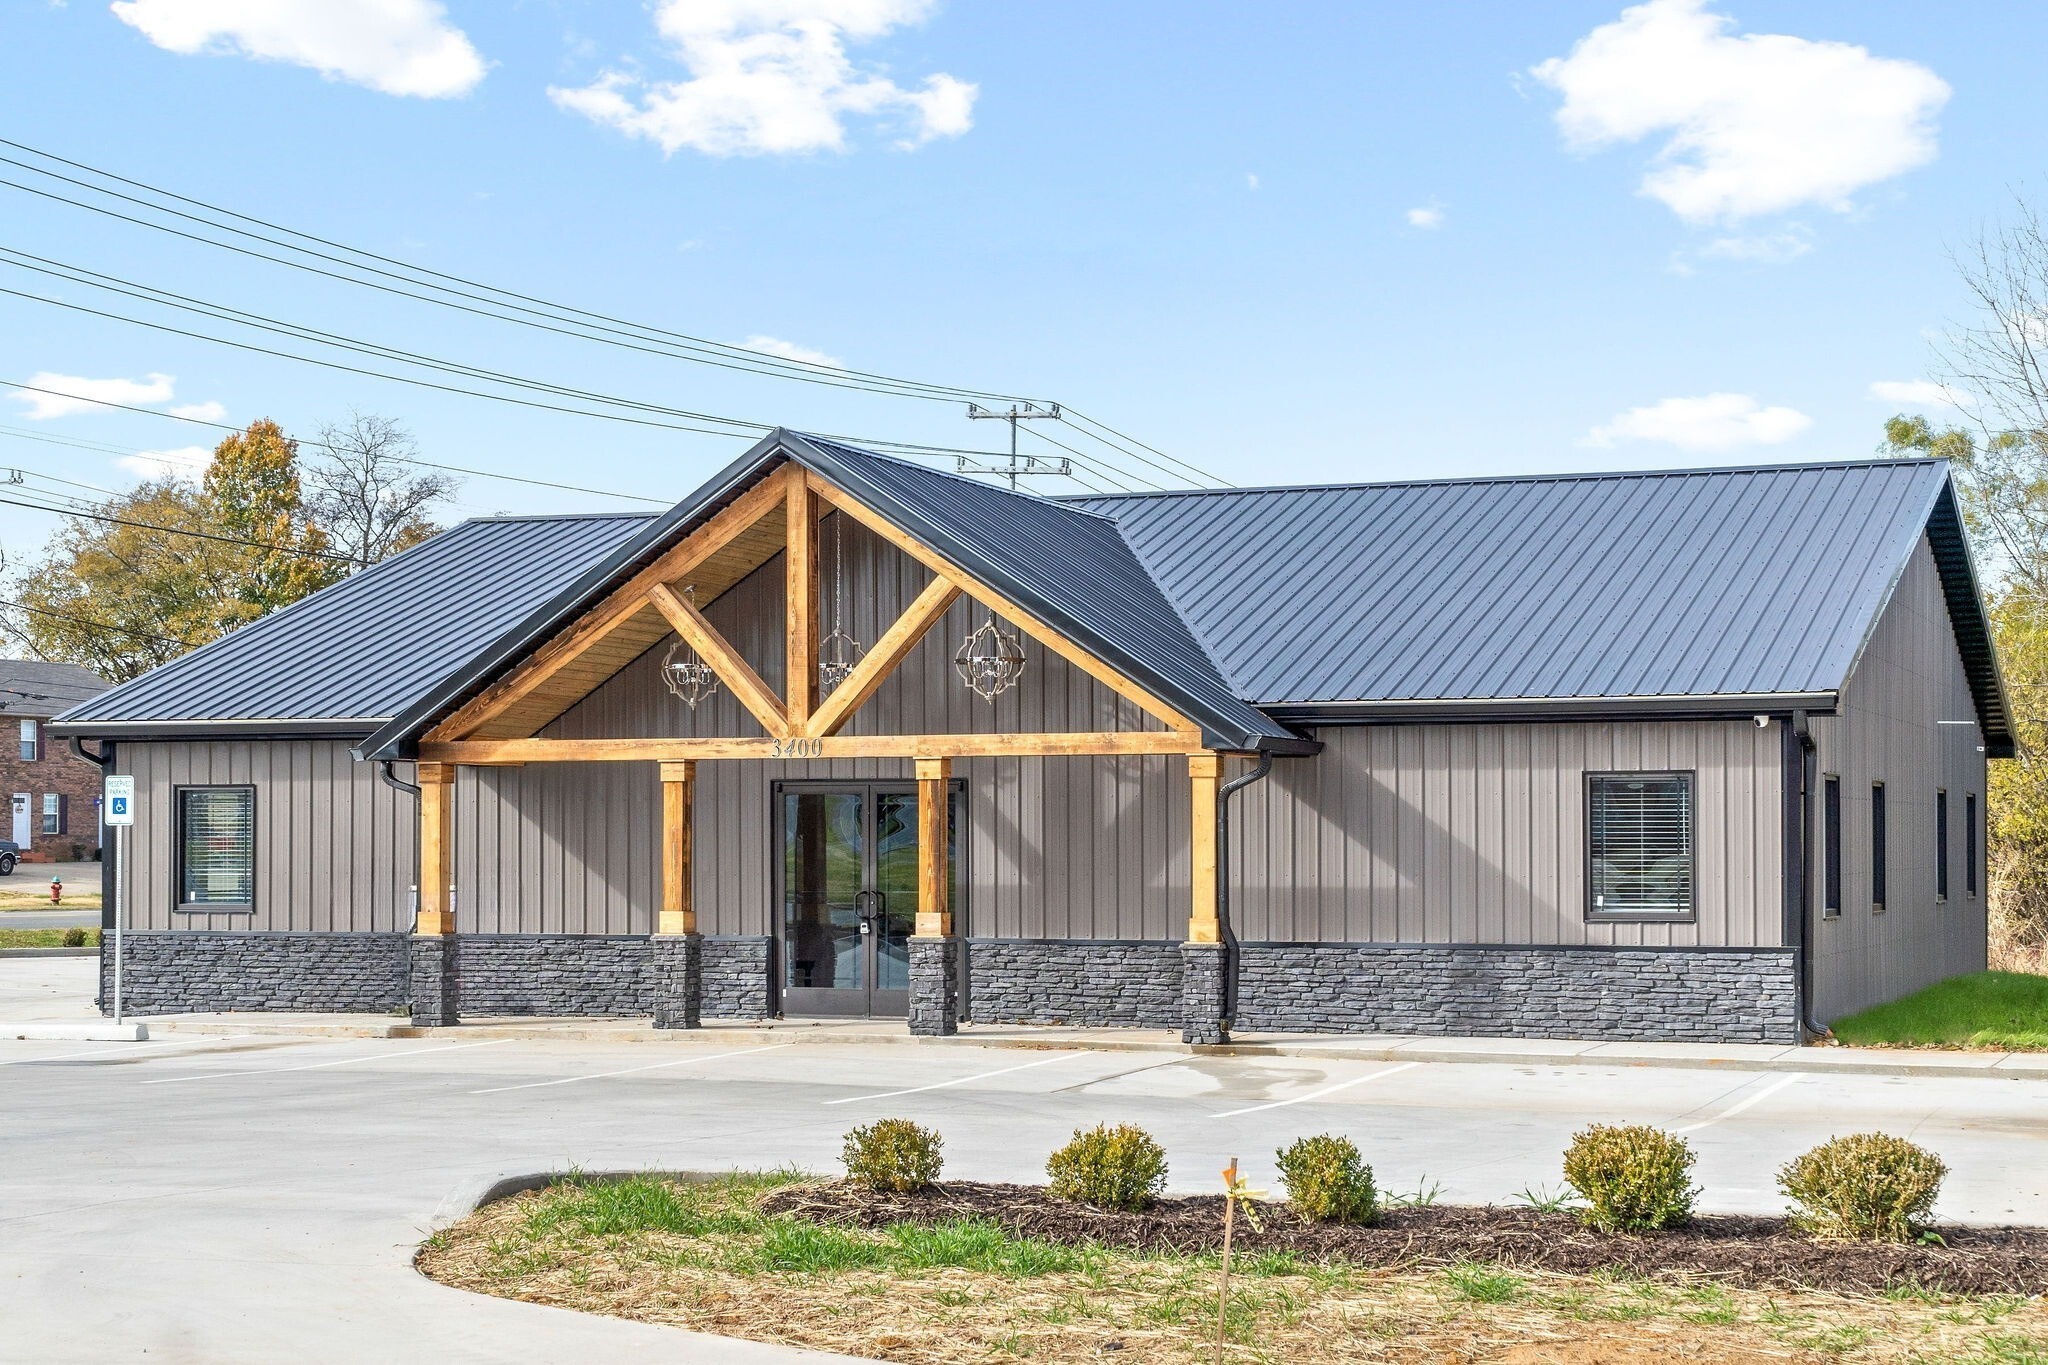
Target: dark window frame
1880, 832
1970, 844
32, 742
1831, 846
181, 906
1691, 913
50, 813
1941, 845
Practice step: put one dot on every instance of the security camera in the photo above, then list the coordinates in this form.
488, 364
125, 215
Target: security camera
1762, 722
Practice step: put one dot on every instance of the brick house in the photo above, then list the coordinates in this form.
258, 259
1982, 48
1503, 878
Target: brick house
52, 794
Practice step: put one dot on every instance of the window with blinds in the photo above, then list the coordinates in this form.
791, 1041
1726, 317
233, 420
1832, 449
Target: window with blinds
1639, 857
216, 848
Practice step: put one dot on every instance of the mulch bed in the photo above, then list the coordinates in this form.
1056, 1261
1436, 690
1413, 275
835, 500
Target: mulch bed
1741, 1252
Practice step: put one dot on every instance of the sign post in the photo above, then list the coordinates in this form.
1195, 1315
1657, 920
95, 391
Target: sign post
120, 798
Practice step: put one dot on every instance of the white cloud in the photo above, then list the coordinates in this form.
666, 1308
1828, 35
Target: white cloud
1251, 180
72, 393
1920, 393
1754, 123
789, 350
1719, 421
185, 462
773, 76
1772, 248
1430, 216
208, 411
401, 47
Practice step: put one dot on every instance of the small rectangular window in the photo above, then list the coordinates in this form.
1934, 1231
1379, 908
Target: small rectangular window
1639, 851
1831, 846
53, 813
31, 741
1877, 851
1940, 845
1970, 844
216, 848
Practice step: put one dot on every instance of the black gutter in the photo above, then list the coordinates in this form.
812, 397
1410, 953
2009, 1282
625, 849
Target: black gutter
101, 759
1228, 931
1732, 706
1801, 764
397, 783
109, 869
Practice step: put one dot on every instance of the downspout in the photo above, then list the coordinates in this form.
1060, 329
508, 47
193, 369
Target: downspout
397, 783
1808, 766
110, 868
1227, 931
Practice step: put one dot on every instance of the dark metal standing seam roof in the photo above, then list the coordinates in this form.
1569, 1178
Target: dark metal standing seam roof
354, 654
1664, 584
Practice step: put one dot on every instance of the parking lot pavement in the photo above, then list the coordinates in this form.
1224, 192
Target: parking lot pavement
259, 1197
49, 919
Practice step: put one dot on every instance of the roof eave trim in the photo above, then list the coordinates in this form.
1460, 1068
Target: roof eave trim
1706, 706
283, 727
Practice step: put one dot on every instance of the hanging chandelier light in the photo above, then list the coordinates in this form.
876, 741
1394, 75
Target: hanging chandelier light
838, 652
990, 660
688, 676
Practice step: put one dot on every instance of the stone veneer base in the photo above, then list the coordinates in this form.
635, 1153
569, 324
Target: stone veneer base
1078, 983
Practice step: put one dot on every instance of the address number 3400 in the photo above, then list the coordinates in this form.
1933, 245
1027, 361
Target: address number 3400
799, 748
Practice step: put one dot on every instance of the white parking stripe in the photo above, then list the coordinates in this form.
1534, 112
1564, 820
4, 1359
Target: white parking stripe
1732, 1110
958, 1080
627, 1071
1318, 1094
315, 1066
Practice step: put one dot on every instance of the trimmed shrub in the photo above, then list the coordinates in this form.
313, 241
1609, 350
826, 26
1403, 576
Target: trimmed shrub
1868, 1187
1327, 1182
74, 937
1109, 1168
1633, 1178
892, 1155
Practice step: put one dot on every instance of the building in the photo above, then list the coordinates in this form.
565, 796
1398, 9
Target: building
1667, 755
53, 794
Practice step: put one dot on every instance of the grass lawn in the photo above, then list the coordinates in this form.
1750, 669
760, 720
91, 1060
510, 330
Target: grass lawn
39, 899
42, 938
2006, 1010
703, 1256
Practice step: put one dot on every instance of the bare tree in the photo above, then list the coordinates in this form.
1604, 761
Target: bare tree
366, 489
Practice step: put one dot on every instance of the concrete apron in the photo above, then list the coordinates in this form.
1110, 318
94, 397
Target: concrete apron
1734, 1057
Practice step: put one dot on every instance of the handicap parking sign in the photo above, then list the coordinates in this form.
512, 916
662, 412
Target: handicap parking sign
120, 801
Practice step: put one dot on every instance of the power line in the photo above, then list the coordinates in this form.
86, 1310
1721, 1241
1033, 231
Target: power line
174, 530
99, 625
694, 349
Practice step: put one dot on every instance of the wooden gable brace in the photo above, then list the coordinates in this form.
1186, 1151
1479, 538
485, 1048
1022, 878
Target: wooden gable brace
800, 713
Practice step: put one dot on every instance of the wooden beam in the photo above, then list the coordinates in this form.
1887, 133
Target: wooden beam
878, 663
435, 911
678, 911
612, 612
491, 752
1204, 925
800, 599
725, 661
1003, 606
934, 875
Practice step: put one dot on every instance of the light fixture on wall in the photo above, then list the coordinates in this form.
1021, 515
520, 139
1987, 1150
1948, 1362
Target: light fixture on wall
838, 652
688, 676
990, 660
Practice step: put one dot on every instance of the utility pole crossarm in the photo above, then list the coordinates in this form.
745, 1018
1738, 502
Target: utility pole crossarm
1019, 464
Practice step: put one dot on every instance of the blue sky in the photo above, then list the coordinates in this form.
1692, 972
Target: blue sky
1299, 243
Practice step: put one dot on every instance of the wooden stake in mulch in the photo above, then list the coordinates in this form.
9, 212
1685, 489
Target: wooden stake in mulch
1235, 1192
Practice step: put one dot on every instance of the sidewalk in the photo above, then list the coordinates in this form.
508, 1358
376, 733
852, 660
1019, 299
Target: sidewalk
1363, 1047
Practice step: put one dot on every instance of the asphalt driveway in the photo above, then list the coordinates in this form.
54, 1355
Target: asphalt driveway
259, 1198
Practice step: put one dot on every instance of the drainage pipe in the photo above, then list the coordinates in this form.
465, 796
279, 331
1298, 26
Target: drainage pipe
110, 865
1808, 771
397, 783
1228, 931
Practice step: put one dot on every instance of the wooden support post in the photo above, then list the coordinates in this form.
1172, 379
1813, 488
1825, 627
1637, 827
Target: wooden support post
800, 597
678, 911
1204, 772
934, 875
435, 914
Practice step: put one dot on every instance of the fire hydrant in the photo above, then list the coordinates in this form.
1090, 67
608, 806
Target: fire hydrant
56, 890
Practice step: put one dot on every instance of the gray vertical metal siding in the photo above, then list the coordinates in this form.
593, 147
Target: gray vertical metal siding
1061, 847
1476, 834
334, 846
1909, 677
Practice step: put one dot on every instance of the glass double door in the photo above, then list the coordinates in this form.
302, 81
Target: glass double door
849, 894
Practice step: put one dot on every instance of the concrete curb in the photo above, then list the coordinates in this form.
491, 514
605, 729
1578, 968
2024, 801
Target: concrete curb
48, 952
1499, 1052
83, 1032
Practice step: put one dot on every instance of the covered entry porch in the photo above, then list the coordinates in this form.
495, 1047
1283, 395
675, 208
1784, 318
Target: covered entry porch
746, 596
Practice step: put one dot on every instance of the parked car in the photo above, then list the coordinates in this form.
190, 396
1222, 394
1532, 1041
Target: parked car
10, 855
